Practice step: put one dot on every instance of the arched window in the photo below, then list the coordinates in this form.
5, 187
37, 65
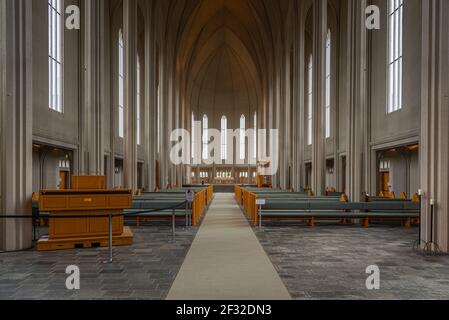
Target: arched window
138, 101
192, 133
205, 137
224, 138
121, 86
242, 137
328, 84
55, 33
158, 103
255, 135
159, 118
395, 20
309, 100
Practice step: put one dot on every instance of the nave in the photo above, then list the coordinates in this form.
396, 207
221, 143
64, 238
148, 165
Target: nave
226, 258
209, 148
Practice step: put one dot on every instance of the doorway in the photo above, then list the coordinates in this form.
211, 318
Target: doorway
385, 181
63, 180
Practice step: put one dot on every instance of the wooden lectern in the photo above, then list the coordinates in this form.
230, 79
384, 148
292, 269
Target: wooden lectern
90, 198
263, 177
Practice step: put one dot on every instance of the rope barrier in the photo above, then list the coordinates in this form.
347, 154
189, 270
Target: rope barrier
137, 213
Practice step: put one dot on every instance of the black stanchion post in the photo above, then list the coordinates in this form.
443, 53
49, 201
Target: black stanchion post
420, 217
34, 228
431, 224
186, 214
173, 225
110, 238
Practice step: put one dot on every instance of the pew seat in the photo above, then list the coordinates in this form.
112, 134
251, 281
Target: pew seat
318, 210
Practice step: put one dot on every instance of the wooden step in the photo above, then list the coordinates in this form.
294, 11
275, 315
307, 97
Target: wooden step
125, 239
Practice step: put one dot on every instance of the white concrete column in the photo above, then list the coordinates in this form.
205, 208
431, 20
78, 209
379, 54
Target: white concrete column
357, 159
150, 101
300, 118
271, 97
281, 120
288, 118
91, 152
319, 96
130, 141
163, 73
16, 98
297, 96
434, 147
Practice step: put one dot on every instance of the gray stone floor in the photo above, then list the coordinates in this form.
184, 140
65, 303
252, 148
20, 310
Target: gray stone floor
145, 270
329, 262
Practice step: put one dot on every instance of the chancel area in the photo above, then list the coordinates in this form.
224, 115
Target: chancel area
224, 149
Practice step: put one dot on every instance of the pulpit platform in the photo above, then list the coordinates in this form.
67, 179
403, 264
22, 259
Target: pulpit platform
47, 244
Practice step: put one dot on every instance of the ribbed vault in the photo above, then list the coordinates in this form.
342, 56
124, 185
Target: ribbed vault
224, 51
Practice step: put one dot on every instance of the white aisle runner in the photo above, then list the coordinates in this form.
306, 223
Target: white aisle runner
226, 260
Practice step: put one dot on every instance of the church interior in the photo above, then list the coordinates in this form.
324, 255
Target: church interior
224, 149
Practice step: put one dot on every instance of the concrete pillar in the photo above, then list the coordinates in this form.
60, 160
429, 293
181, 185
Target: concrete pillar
271, 113
296, 95
150, 101
434, 147
300, 69
357, 160
16, 98
319, 96
164, 119
91, 152
130, 141
288, 117
281, 121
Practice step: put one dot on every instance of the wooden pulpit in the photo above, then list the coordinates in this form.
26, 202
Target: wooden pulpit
88, 197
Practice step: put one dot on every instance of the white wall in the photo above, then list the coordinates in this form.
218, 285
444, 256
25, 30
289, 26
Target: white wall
59, 127
404, 123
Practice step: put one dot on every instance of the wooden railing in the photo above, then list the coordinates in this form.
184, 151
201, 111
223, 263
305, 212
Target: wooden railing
202, 199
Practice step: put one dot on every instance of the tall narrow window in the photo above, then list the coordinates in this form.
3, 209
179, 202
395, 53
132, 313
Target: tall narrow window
328, 84
224, 138
55, 55
158, 125
192, 133
138, 100
205, 137
121, 85
255, 135
309, 100
242, 137
395, 19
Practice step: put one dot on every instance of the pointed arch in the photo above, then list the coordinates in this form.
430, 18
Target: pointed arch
121, 85
242, 138
224, 137
328, 85
309, 100
205, 137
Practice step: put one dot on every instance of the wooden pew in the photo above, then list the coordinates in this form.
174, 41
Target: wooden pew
290, 205
311, 211
171, 197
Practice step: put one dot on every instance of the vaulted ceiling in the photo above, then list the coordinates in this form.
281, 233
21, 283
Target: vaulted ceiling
233, 40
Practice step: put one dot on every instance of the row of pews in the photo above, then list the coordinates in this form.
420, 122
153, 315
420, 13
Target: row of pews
279, 204
155, 205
